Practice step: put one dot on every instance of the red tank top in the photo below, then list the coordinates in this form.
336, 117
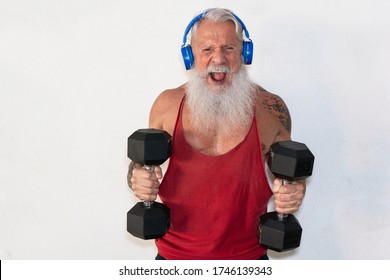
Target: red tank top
215, 201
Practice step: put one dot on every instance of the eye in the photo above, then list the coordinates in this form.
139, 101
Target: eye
230, 48
206, 50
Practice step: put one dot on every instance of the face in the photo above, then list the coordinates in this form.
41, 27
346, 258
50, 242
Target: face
217, 52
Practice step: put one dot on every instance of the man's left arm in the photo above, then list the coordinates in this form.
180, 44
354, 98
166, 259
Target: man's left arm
288, 195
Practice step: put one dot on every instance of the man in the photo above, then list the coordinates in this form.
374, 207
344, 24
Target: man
223, 126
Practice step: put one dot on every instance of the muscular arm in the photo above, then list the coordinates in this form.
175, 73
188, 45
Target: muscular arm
156, 115
279, 111
164, 110
288, 197
162, 116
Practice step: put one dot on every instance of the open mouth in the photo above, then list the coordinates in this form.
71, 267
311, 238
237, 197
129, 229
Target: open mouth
218, 77
217, 74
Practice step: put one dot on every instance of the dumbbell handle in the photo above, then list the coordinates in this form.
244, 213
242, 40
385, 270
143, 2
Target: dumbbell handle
148, 203
282, 217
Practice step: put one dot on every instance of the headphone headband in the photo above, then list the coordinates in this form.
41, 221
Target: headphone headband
198, 17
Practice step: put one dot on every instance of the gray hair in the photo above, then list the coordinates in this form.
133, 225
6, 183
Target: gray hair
219, 15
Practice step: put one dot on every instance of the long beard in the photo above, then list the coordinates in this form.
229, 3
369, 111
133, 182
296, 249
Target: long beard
220, 109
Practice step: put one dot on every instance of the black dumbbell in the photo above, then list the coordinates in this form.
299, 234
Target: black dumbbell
290, 161
149, 147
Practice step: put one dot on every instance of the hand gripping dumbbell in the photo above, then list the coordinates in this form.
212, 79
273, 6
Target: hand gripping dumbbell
289, 161
149, 147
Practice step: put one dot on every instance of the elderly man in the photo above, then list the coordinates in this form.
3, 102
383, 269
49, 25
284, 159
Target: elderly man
223, 125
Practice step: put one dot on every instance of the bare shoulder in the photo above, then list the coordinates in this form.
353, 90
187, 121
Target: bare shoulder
272, 107
164, 110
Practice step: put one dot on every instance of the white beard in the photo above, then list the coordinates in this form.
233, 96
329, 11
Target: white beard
221, 109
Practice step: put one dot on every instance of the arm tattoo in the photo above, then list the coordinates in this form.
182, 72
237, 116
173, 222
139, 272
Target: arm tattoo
278, 109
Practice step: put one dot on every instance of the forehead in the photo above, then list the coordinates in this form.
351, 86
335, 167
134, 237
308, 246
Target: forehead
215, 31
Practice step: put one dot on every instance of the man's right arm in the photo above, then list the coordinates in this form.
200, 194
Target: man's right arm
164, 111
162, 116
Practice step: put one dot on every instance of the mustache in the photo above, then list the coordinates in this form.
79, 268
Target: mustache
218, 69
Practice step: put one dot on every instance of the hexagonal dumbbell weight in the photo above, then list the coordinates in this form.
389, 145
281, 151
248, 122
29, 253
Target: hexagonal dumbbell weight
290, 161
149, 147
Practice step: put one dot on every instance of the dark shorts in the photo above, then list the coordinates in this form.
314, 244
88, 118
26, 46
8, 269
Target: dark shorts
263, 257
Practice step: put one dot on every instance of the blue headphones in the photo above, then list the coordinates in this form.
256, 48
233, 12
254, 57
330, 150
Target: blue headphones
186, 50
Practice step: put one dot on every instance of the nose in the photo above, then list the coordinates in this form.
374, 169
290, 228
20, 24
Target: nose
218, 57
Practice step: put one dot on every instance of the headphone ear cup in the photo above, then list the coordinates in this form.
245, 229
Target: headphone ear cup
247, 52
188, 57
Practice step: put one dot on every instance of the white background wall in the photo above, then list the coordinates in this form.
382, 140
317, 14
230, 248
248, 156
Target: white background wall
77, 77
